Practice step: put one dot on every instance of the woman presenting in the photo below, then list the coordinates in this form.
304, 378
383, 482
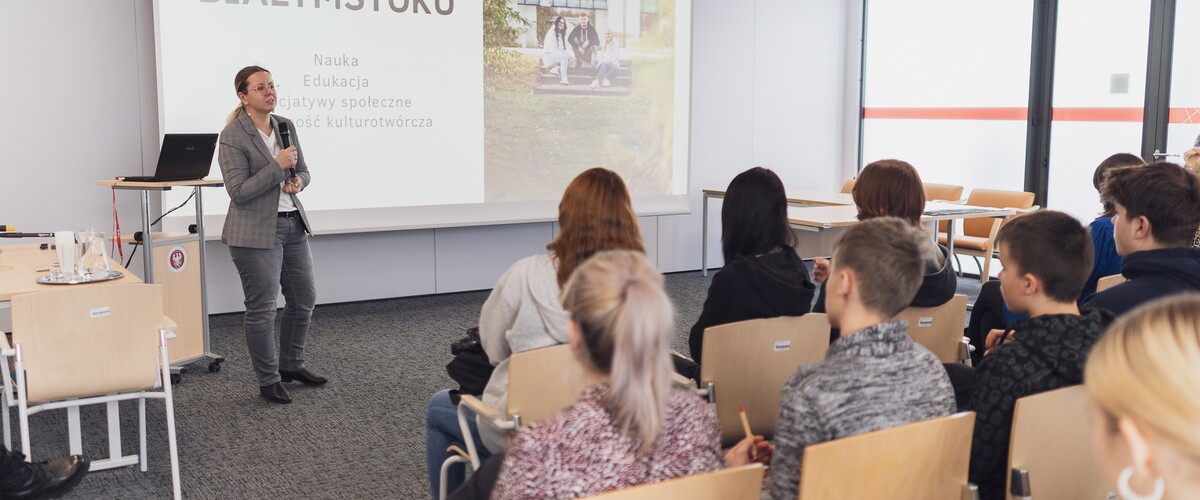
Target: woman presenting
267, 232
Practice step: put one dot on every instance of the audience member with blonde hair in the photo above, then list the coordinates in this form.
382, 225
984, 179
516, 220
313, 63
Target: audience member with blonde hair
630, 426
1143, 377
524, 311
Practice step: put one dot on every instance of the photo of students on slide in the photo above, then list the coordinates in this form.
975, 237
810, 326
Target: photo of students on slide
584, 41
609, 60
559, 98
555, 56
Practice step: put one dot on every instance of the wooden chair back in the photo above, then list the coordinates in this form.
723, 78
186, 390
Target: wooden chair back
1051, 440
922, 460
542, 382
996, 198
735, 483
79, 341
749, 361
1108, 282
939, 329
848, 186
943, 192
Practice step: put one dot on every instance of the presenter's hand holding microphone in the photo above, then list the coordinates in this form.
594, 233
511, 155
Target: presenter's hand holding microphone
287, 159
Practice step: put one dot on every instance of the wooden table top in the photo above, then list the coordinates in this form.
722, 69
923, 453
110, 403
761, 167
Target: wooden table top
18, 275
160, 186
847, 215
803, 197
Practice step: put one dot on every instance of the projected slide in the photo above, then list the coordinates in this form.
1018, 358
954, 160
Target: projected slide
417, 103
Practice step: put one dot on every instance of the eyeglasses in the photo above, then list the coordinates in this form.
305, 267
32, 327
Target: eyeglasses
262, 87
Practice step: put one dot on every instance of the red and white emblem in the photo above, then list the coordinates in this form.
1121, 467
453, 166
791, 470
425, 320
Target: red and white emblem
177, 259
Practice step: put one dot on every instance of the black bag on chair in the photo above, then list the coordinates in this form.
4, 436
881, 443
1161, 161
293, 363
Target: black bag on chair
470, 366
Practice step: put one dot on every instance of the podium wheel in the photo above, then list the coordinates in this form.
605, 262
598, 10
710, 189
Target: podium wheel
214, 367
176, 378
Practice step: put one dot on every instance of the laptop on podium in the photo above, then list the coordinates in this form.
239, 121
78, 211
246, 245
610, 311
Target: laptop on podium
184, 157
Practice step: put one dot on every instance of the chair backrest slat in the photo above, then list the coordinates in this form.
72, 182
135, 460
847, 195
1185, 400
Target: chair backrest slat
90, 339
939, 329
926, 459
1051, 440
995, 198
1108, 282
749, 361
542, 382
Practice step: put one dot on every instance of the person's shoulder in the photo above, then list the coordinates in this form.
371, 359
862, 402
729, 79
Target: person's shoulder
531, 266
682, 400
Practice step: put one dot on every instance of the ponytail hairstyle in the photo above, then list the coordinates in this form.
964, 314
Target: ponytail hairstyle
625, 320
239, 86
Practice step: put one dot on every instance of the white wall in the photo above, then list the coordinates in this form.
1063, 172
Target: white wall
774, 84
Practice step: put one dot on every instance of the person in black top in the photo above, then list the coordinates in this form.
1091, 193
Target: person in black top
763, 276
893, 188
584, 40
1046, 258
1157, 212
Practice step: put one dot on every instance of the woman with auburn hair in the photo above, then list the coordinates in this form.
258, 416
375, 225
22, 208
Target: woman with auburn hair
1145, 412
893, 188
524, 311
763, 277
630, 426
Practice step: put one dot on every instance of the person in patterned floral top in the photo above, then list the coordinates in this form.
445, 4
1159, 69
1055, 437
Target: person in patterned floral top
630, 426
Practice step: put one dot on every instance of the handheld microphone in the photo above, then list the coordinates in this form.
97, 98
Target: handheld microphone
285, 137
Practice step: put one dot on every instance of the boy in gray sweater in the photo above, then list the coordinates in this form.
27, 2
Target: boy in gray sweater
873, 377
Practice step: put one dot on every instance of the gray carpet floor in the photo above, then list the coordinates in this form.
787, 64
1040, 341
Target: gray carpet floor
361, 436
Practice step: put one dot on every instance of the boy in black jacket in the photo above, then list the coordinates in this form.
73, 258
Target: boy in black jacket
1047, 257
1158, 211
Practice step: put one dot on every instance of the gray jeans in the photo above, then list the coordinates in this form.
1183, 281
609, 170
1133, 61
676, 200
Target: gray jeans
264, 272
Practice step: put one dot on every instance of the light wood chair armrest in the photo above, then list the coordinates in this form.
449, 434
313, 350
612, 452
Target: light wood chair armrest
482, 409
682, 381
458, 451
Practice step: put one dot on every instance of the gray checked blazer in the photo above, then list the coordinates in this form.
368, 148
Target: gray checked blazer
252, 178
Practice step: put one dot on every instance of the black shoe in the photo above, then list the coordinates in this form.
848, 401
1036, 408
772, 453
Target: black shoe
275, 392
303, 375
21, 479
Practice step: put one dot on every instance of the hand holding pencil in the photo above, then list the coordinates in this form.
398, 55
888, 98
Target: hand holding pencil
752, 449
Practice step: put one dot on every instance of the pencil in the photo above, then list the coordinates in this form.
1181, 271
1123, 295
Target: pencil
746, 426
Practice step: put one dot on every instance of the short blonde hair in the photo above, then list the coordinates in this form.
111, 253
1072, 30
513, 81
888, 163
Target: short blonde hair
1191, 159
885, 254
1147, 368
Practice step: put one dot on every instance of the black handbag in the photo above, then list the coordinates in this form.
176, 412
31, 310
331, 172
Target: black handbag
470, 366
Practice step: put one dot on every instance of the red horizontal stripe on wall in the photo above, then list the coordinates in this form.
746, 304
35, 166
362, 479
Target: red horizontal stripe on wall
946, 113
1177, 115
1098, 114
